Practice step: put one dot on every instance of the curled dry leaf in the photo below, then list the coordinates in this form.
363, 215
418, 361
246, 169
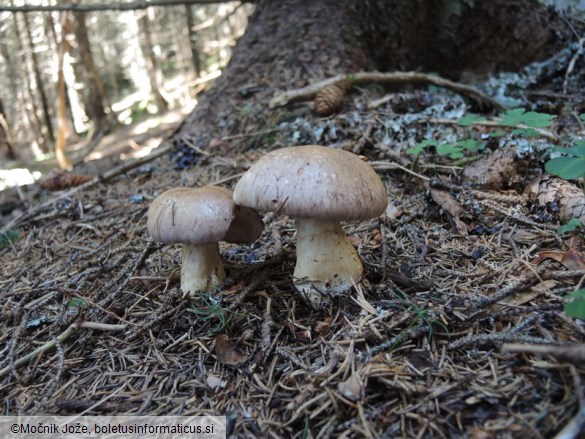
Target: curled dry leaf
450, 205
572, 259
227, 352
392, 212
501, 169
59, 180
214, 382
352, 388
551, 191
324, 326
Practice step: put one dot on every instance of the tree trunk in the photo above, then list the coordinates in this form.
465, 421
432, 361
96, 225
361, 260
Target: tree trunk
154, 72
30, 105
289, 43
39, 80
193, 40
95, 95
6, 140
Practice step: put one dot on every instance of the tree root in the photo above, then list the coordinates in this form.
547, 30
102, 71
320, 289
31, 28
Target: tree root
361, 78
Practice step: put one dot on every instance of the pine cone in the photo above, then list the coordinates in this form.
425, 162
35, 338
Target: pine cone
569, 198
59, 180
330, 98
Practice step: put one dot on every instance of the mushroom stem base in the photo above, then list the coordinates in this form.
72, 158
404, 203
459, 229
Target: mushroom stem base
327, 263
202, 268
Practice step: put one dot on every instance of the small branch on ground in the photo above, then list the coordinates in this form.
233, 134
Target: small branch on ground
124, 167
572, 354
361, 78
72, 329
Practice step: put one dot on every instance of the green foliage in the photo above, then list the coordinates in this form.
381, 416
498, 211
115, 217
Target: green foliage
469, 119
571, 165
76, 302
532, 119
453, 151
576, 308
8, 237
571, 226
582, 117
213, 310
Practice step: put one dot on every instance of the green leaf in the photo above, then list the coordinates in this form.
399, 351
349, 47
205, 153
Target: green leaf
577, 294
471, 145
571, 226
497, 133
568, 168
575, 151
469, 119
8, 236
76, 302
417, 149
512, 117
453, 151
576, 308
526, 132
582, 117
532, 119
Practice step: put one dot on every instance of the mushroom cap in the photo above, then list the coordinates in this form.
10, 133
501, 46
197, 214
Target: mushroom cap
201, 215
313, 182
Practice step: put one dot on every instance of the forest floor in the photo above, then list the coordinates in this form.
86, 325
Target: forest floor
426, 345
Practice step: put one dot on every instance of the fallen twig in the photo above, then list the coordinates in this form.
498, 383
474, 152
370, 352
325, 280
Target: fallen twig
359, 78
60, 339
572, 354
124, 167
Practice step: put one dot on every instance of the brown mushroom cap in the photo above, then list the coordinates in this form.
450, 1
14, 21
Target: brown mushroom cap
201, 215
313, 182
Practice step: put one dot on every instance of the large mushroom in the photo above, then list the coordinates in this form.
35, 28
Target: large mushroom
199, 218
319, 186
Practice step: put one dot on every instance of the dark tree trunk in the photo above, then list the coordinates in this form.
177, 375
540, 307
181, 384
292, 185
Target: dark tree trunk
39, 80
154, 72
289, 43
30, 104
94, 93
6, 143
193, 40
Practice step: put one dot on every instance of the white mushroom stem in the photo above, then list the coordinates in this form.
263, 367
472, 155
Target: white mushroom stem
326, 260
201, 269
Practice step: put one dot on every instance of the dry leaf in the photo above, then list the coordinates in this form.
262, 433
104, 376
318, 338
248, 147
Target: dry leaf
227, 351
324, 326
450, 205
500, 169
214, 382
392, 212
352, 388
571, 259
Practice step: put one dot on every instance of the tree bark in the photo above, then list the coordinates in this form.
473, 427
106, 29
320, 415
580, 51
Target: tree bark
287, 44
154, 72
290, 43
34, 121
6, 140
193, 40
40, 84
94, 93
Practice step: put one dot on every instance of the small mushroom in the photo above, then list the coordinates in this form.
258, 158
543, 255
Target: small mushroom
320, 186
199, 218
